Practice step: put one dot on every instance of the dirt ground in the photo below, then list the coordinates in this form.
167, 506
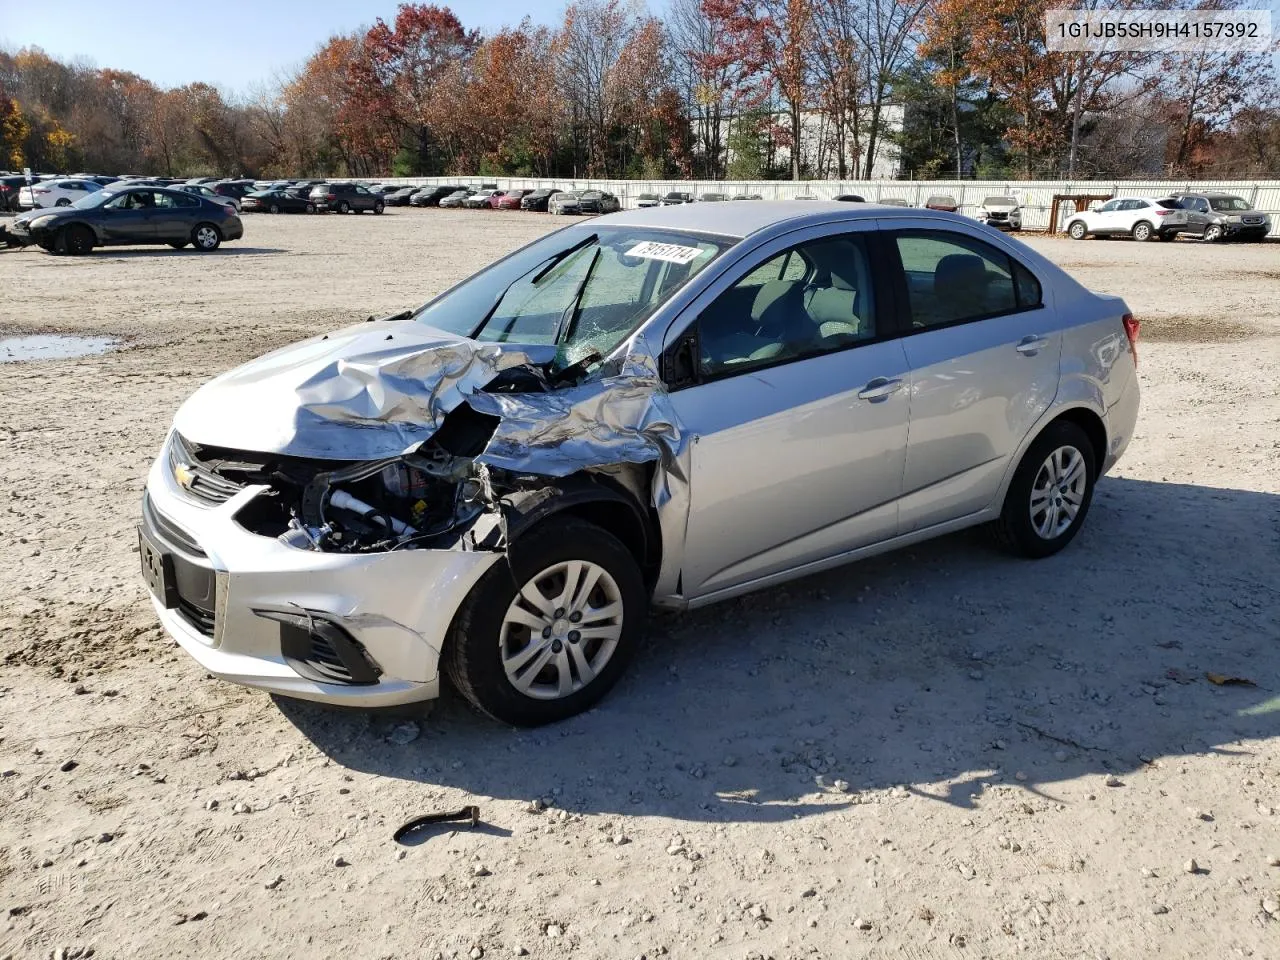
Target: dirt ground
939, 753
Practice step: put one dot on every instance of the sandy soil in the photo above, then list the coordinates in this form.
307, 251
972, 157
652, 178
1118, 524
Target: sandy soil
940, 753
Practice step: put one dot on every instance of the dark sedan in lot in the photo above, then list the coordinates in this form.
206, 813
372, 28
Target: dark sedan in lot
536, 200
277, 201
597, 201
131, 215
399, 197
431, 196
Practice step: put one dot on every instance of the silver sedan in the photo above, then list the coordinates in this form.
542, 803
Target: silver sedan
665, 406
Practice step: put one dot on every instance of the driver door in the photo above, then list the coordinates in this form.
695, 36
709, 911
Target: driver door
797, 407
130, 217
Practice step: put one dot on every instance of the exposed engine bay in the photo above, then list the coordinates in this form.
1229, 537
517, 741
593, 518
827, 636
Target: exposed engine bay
430, 497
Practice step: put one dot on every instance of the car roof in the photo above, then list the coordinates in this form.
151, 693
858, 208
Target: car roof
745, 219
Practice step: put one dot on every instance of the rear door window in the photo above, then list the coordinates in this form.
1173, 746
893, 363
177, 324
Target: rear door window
953, 278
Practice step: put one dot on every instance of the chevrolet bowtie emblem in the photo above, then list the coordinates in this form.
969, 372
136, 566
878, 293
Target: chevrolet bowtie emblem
185, 476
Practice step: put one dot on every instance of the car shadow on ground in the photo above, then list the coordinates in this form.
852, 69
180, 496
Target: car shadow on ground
939, 668
222, 251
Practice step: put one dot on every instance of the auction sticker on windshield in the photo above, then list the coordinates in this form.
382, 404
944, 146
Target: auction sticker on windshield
671, 252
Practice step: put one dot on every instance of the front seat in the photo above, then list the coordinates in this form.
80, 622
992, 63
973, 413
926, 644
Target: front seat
960, 285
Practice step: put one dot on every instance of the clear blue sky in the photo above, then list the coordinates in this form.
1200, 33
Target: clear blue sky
229, 43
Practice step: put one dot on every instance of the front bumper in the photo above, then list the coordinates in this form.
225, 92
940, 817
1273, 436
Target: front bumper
394, 608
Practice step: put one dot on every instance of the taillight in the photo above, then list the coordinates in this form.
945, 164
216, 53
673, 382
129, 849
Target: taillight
332, 196
1163, 213
1131, 329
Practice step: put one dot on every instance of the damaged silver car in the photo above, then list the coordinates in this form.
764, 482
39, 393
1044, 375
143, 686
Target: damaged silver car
667, 406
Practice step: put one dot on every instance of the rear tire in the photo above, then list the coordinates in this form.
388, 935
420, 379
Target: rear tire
1036, 520
64, 202
274, 208
1143, 231
490, 634
206, 238
311, 208
377, 208
344, 207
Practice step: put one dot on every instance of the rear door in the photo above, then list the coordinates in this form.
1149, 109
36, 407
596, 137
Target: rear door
795, 397
175, 216
983, 351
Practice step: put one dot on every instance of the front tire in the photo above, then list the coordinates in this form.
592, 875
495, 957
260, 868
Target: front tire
64, 202
311, 208
1050, 494
546, 634
78, 240
1077, 230
1212, 233
377, 208
206, 238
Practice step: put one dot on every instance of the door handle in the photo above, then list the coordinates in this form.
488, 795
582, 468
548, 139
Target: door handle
880, 388
1028, 346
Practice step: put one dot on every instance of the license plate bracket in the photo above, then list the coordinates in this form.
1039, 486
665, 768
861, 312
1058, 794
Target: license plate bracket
157, 570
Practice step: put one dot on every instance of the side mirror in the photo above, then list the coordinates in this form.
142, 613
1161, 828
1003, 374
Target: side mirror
680, 362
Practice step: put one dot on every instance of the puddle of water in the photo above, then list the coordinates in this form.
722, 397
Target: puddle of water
53, 346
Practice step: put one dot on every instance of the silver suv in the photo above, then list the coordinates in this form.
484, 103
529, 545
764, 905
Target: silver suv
1222, 216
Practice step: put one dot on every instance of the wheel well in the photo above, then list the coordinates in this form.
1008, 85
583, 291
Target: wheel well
1094, 429
623, 522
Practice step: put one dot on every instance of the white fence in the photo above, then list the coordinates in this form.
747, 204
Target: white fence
1036, 196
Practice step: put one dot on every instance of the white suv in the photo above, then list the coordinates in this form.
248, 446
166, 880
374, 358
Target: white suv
1143, 218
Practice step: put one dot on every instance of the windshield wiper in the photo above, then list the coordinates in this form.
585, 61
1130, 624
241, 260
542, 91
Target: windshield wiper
560, 256
569, 319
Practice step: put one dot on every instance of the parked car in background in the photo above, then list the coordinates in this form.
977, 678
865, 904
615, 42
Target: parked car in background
1143, 218
11, 193
648, 200
507, 199
345, 198
1223, 216
373, 542
58, 193
479, 200
893, 202
277, 201
712, 198
399, 197
536, 200
1003, 213
850, 198
130, 215
675, 197
455, 199
431, 196
197, 180
597, 201
238, 189
203, 190
564, 202
804, 196
747, 196
942, 201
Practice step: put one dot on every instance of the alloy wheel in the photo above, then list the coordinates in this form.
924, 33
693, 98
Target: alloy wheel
561, 629
1058, 492
206, 238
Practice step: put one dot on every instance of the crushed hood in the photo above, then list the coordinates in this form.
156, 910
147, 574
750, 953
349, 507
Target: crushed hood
378, 390
365, 392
